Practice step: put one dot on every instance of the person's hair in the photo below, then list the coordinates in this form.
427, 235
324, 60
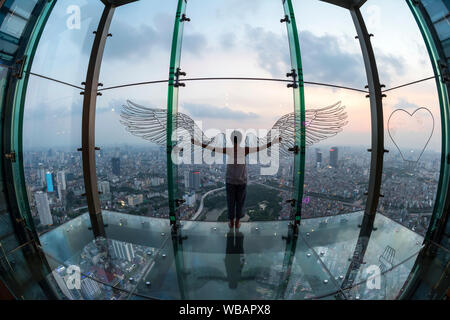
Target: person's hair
236, 137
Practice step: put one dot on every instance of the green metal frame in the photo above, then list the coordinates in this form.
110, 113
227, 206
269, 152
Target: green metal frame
172, 109
286, 271
441, 206
299, 109
13, 102
178, 256
442, 89
16, 101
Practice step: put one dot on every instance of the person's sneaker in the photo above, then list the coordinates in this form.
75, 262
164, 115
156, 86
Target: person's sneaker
238, 224
231, 224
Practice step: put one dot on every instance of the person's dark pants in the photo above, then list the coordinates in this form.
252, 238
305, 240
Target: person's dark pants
235, 200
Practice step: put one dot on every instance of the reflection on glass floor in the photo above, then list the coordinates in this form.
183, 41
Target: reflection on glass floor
139, 259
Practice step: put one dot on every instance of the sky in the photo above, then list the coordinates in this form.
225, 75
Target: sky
231, 38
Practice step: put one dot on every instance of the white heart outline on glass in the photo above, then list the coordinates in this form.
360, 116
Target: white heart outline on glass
411, 115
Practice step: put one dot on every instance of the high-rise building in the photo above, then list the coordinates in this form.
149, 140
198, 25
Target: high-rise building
29, 194
62, 279
90, 287
186, 179
195, 179
43, 208
135, 200
41, 175
61, 184
318, 158
49, 180
122, 250
61, 179
115, 162
104, 187
60, 192
334, 157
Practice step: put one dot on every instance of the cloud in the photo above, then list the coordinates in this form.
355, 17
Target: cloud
227, 40
323, 58
131, 41
209, 111
390, 64
404, 104
272, 55
194, 43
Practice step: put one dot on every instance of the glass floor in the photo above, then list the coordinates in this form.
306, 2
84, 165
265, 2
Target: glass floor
140, 260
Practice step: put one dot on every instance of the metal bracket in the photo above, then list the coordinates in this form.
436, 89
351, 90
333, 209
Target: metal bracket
177, 83
95, 148
108, 35
382, 96
19, 68
370, 35
294, 76
285, 19
445, 73
294, 149
11, 156
184, 18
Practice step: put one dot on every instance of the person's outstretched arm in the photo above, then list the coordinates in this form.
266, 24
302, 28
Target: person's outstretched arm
258, 149
207, 146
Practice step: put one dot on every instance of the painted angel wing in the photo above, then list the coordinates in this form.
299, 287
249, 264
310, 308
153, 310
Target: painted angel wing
320, 124
151, 123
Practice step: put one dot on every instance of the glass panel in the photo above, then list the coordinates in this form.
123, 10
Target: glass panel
139, 49
247, 264
114, 266
435, 8
332, 56
22, 8
16, 274
139, 260
433, 284
13, 24
68, 36
253, 107
443, 29
391, 244
342, 157
400, 52
446, 46
235, 39
330, 52
51, 136
411, 168
131, 170
333, 240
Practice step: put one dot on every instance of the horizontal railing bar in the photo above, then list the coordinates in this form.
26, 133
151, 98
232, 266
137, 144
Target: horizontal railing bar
409, 83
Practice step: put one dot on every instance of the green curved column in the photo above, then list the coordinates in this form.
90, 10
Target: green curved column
299, 108
442, 89
172, 108
17, 102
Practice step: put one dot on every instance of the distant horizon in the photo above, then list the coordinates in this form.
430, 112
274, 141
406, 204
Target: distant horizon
155, 146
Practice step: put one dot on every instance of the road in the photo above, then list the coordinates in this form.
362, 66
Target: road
200, 208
